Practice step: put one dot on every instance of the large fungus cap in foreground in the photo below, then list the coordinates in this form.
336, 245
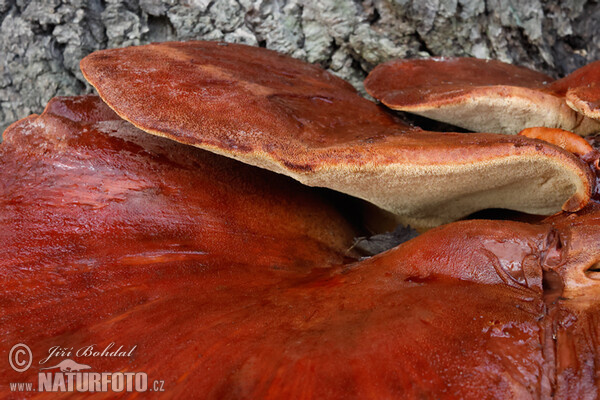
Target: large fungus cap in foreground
294, 118
489, 95
232, 282
146, 199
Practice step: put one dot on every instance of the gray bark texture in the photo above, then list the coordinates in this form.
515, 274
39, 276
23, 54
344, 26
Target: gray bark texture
42, 41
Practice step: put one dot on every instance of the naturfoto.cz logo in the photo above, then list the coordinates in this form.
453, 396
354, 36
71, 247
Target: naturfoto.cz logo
71, 376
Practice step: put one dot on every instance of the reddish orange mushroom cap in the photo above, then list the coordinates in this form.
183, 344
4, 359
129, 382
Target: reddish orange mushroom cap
413, 81
487, 95
564, 139
582, 89
294, 118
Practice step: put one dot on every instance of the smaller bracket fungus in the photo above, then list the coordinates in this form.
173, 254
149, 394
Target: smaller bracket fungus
564, 139
582, 90
294, 118
489, 95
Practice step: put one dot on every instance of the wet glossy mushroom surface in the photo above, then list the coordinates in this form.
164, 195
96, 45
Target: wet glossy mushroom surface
285, 115
235, 283
489, 95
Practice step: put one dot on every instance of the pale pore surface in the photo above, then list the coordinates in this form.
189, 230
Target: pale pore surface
490, 110
412, 193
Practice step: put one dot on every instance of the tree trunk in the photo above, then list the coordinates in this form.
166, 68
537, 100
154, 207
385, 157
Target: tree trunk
42, 41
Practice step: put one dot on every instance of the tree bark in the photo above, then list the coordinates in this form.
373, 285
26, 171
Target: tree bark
42, 41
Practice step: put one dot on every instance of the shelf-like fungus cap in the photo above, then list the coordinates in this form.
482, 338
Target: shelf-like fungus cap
225, 281
273, 111
582, 90
564, 139
488, 95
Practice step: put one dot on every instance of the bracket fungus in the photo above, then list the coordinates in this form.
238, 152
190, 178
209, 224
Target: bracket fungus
489, 95
564, 139
232, 282
294, 118
229, 281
